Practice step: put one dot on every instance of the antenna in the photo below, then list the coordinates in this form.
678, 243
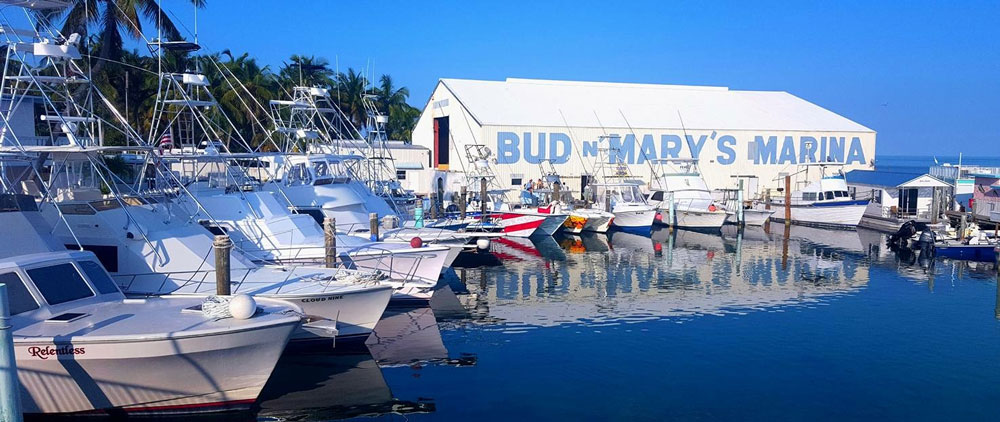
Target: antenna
572, 143
652, 170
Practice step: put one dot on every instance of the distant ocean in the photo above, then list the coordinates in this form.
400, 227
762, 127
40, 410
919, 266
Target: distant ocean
920, 163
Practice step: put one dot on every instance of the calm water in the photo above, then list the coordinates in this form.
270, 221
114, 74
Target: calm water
920, 163
821, 325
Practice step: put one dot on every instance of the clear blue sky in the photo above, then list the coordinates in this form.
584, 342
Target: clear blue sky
923, 75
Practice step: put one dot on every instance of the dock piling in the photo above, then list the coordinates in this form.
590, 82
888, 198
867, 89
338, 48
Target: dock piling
962, 226
482, 198
555, 195
671, 210
330, 241
222, 246
373, 225
788, 200
10, 390
464, 195
433, 205
739, 205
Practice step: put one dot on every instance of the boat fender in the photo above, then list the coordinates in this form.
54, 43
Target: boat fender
242, 306
658, 217
712, 208
416, 242
483, 243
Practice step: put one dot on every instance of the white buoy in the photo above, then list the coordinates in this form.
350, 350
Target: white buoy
242, 306
483, 243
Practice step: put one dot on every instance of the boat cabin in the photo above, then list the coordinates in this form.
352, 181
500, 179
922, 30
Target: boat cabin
46, 286
628, 192
899, 196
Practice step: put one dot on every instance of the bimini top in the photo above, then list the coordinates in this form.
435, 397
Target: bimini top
533, 102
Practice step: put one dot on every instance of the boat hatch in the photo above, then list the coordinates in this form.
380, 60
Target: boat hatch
66, 317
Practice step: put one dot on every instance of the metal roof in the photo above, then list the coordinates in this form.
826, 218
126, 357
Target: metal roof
888, 178
533, 102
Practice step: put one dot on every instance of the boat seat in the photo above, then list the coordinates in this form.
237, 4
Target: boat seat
30, 187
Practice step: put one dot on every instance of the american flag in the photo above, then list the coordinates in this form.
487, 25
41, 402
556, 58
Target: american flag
167, 140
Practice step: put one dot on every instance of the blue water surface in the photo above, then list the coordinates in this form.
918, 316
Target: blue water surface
805, 325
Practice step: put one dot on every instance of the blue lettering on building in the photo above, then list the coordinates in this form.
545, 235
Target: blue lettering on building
787, 151
670, 146
807, 149
767, 151
534, 152
507, 148
725, 146
561, 143
638, 148
856, 154
647, 151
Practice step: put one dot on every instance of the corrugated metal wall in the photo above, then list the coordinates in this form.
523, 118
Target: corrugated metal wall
723, 153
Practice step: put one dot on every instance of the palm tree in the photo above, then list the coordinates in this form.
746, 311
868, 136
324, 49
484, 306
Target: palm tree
351, 87
389, 96
392, 102
243, 93
306, 71
116, 19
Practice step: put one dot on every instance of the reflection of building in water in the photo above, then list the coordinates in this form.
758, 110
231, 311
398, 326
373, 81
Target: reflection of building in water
406, 337
306, 387
403, 337
685, 273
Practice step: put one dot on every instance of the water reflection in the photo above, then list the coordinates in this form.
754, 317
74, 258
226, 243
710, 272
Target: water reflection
307, 387
414, 363
623, 277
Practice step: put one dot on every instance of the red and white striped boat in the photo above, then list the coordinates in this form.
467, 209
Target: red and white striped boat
519, 223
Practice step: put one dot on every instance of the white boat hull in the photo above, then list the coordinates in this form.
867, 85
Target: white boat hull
413, 272
751, 217
356, 312
598, 224
142, 376
634, 219
837, 214
694, 219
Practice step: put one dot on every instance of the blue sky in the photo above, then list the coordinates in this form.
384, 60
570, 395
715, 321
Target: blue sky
924, 75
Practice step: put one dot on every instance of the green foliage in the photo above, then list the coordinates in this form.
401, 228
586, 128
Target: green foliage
129, 80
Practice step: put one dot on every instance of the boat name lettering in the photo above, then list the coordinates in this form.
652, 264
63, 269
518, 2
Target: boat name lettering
322, 299
762, 149
47, 351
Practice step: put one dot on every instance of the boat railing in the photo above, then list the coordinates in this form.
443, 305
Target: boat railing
182, 280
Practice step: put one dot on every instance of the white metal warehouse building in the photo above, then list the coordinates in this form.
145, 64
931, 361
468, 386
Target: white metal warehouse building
765, 134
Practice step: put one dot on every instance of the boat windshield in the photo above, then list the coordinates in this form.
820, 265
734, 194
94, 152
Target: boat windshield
19, 297
631, 194
59, 283
334, 171
100, 278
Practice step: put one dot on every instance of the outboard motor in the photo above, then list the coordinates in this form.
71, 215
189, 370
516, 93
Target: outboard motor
926, 242
901, 238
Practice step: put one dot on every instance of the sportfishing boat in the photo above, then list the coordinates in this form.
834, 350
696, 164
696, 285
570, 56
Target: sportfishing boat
752, 215
824, 201
558, 201
152, 247
514, 220
322, 176
222, 191
82, 346
625, 201
678, 186
617, 192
